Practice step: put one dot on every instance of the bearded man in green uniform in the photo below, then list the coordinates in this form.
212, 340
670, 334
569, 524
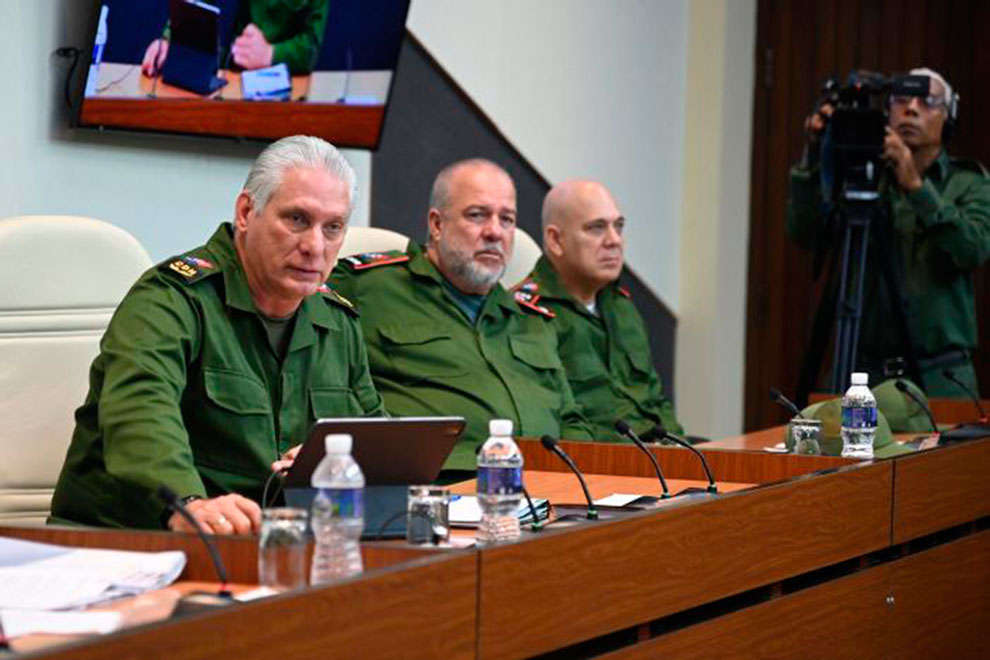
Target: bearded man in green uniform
940, 213
602, 338
218, 361
443, 336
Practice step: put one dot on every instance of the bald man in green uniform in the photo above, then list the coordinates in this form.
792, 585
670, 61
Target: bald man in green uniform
218, 361
602, 338
444, 337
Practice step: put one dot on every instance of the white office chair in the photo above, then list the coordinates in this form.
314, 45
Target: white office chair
359, 240
61, 279
525, 254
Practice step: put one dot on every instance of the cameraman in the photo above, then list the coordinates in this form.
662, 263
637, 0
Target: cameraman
938, 210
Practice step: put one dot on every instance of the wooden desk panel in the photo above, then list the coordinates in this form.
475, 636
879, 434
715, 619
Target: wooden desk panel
677, 462
568, 586
942, 602
844, 619
424, 610
940, 488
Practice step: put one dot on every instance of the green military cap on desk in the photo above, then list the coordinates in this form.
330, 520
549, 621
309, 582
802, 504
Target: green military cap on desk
830, 414
901, 411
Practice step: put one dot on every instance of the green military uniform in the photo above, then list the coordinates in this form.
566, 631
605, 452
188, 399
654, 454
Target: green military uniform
941, 233
187, 390
294, 28
606, 355
428, 358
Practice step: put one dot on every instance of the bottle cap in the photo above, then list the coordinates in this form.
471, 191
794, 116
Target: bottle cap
500, 427
860, 378
338, 443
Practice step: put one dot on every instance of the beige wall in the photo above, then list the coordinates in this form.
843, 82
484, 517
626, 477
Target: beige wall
715, 232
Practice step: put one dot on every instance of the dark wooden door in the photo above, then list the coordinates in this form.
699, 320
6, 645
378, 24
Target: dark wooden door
799, 44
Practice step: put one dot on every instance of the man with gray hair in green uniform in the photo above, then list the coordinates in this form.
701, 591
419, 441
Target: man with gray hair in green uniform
218, 361
939, 234
602, 338
444, 337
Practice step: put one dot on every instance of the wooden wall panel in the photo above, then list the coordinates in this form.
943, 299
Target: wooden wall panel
799, 44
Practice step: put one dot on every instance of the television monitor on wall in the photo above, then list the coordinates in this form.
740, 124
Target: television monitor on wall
258, 69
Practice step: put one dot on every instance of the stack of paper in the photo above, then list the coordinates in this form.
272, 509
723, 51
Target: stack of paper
37, 577
466, 512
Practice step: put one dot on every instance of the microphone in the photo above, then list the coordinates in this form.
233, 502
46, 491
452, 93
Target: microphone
948, 373
536, 525
661, 432
902, 386
550, 444
623, 428
172, 501
777, 397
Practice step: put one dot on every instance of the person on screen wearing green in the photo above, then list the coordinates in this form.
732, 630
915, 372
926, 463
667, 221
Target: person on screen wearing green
444, 337
601, 337
267, 32
218, 361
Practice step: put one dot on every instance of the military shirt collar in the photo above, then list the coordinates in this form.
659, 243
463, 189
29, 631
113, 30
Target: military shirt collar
420, 264
238, 293
939, 169
552, 288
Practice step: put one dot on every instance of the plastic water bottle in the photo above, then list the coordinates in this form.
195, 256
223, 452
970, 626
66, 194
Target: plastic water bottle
499, 484
99, 44
859, 418
337, 516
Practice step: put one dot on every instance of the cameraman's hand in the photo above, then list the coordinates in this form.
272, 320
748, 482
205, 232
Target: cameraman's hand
901, 161
815, 123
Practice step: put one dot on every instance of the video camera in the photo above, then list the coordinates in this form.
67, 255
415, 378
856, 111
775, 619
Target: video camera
852, 147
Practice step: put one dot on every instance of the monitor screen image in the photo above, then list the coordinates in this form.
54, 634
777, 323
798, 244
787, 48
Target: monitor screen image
259, 69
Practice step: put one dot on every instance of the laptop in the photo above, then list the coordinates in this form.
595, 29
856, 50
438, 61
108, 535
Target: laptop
192, 60
390, 451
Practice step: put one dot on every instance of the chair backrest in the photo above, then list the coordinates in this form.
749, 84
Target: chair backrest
371, 239
525, 254
61, 279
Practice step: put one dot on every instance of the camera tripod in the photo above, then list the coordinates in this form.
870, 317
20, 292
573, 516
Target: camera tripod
841, 305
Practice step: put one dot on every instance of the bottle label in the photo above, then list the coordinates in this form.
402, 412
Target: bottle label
346, 502
499, 480
859, 418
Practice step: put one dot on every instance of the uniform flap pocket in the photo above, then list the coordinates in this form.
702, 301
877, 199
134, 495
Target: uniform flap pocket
236, 392
534, 352
412, 334
334, 402
585, 365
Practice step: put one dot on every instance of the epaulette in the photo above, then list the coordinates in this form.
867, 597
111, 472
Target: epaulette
374, 259
335, 297
971, 165
189, 269
526, 295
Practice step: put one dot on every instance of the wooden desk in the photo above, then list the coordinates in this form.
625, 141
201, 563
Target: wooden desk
886, 559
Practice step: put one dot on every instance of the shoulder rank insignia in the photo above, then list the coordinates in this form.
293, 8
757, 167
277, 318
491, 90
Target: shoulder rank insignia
530, 300
623, 291
331, 294
373, 259
190, 268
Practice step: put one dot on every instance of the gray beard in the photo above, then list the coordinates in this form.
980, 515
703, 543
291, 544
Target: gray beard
463, 268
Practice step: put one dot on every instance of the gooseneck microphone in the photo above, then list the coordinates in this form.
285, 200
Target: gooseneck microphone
778, 397
173, 502
623, 428
536, 525
948, 373
660, 432
550, 444
902, 386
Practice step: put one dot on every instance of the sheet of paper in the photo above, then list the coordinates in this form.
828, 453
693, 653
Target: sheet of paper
47, 577
28, 622
617, 499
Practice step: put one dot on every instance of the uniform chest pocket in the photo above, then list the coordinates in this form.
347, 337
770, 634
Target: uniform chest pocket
421, 351
640, 361
236, 392
535, 353
334, 402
